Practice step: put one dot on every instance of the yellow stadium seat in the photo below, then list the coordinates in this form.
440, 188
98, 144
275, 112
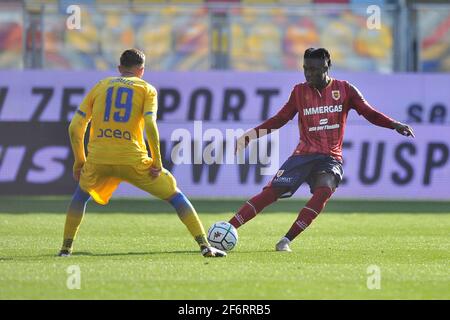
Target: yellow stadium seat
374, 43
295, 1
259, 1
186, 1
435, 51
143, 2
145, 6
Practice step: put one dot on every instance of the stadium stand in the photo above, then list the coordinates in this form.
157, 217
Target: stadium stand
434, 39
254, 37
11, 36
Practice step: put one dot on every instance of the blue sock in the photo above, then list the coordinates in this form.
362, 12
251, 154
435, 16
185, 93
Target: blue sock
180, 202
74, 216
189, 217
79, 201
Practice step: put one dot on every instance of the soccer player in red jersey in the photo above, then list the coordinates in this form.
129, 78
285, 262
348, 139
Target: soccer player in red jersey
322, 104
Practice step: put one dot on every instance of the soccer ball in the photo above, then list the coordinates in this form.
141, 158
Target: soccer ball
223, 236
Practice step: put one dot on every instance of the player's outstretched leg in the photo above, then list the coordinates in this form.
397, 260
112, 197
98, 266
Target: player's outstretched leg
255, 205
74, 216
189, 217
309, 212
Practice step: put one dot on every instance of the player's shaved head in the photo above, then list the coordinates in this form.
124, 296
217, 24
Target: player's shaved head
132, 58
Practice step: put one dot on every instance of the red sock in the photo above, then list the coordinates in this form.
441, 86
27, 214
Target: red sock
311, 210
253, 206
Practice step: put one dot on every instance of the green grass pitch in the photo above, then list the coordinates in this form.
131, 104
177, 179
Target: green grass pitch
137, 249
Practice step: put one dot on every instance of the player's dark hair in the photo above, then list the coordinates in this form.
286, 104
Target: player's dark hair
320, 53
132, 57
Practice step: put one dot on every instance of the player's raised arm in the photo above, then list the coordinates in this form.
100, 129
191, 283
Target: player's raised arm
286, 113
363, 108
151, 129
77, 130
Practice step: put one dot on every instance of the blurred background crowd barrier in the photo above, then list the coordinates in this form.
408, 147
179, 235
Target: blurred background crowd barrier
199, 115
242, 35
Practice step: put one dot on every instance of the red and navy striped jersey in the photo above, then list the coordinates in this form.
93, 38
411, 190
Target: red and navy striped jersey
322, 116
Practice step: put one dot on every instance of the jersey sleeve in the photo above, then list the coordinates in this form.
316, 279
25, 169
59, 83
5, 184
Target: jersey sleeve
85, 108
78, 125
151, 128
151, 102
363, 108
286, 113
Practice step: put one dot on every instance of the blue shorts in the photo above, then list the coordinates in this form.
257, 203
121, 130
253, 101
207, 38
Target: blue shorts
301, 168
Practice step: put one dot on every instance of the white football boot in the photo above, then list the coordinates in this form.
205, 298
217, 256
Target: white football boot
209, 252
64, 253
283, 245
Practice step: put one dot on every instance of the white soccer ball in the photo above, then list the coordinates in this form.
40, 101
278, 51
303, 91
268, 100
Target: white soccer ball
223, 236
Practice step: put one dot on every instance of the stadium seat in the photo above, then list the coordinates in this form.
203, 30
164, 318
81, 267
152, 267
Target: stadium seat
297, 2
112, 2
36, 5
222, 1
142, 2
65, 3
368, 2
144, 6
331, 1
186, 1
434, 41
261, 2
264, 38
298, 36
11, 44
256, 39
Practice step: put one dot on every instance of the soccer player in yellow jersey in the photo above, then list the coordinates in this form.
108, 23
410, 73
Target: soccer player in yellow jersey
119, 109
